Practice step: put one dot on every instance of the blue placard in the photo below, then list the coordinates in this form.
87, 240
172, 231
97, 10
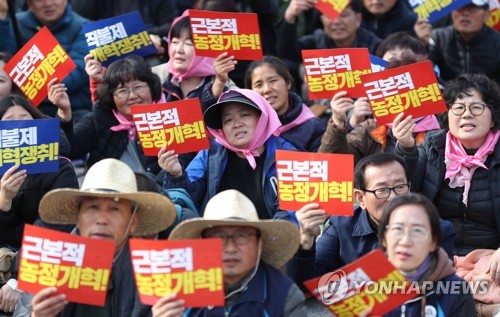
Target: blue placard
378, 64
32, 144
116, 37
433, 10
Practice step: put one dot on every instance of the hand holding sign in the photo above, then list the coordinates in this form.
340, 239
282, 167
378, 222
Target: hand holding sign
340, 105
9, 186
168, 306
360, 112
223, 64
169, 161
402, 129
59, 97
46, 304
310, 218
94, 68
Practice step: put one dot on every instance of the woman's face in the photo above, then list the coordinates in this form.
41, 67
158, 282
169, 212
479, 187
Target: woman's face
408, 237
470, 130
270, 85
5, 82
181, 52
134, 92
238, 123
16, 113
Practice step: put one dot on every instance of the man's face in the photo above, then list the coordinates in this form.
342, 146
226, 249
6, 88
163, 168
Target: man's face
106, 218
239, 257
379, 7
48, 11
469, 20
344, 28
383, 176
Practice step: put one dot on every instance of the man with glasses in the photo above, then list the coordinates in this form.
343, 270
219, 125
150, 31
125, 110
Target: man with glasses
253, 251
378, 178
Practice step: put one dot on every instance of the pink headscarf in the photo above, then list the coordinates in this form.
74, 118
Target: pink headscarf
460, 167
268, 123
200, 66
305, 115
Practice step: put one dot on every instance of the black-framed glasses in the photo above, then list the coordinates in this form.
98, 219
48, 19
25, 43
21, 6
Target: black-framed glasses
475, 108
417, 233
123, 93
239, 237
384, 192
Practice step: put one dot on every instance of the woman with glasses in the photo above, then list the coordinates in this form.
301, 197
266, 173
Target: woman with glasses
109, 131
409, 234
458, 168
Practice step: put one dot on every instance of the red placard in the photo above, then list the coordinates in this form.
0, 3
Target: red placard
79, 267
332, 8
178, 125
412, 89
192, 269
332, 70
232, 32
36, 63
323, 178
371, 281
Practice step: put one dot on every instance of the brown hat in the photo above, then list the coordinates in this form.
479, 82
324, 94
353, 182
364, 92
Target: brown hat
280, 238
109, 178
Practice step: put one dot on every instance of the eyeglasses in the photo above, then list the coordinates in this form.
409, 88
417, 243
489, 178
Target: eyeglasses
124, 93
239, 237
417, 233
381, 193
475, 108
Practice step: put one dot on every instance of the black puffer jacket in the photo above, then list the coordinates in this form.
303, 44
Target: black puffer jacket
399, 18
454, 57
92, 135
478, 224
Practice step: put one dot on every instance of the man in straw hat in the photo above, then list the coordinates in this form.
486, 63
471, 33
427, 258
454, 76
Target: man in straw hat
253, 250
108, 206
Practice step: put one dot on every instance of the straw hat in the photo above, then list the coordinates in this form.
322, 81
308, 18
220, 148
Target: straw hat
280, 238
109, 178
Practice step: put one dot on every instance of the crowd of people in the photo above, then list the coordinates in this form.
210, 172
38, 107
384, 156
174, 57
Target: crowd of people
426, 189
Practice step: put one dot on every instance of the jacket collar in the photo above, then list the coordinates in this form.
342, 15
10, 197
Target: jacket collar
362, 226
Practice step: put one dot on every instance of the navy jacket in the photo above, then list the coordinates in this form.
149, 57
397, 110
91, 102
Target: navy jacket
269, 293
202, 177
345, 240
399, 18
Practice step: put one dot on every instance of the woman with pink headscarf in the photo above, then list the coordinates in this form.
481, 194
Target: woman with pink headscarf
242, 157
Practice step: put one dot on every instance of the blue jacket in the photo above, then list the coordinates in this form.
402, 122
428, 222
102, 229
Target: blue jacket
202, 177
345, 240
269, 293
68, 31
306, 136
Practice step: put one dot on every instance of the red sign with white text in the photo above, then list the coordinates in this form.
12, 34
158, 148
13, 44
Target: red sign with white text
371, 281
79, 267
329, 71
332, 8
232, 32
412, 89
36, 63
192, 269
178, 125
323, 178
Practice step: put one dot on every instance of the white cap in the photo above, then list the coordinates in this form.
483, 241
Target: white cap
480, 3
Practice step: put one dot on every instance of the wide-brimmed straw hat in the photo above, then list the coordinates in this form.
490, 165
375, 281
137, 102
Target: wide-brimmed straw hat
280, 238
109, 178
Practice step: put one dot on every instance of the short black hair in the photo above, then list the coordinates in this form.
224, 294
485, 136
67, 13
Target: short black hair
377, 159
180, 26
489, 90
132, 67
403, 41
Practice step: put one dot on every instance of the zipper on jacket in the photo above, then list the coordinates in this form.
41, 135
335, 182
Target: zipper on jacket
403, 310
